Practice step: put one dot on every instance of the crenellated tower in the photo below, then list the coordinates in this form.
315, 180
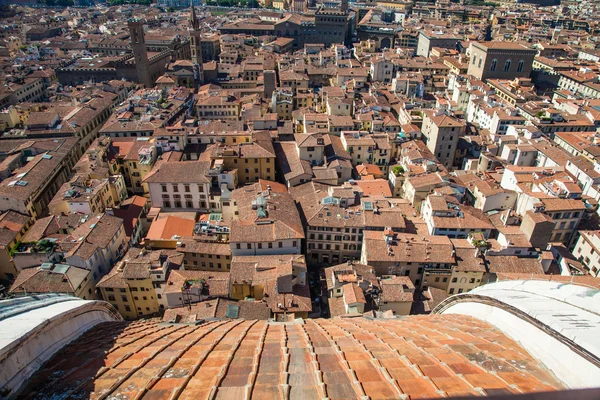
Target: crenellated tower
140, 55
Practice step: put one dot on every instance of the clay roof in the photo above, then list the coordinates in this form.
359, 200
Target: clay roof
217, 308
289, 161
375, 187
35, 173
131, 209
368, 169
397, 289
511, 264
179, 172
11, 222
94, 234
408, 248
353, 294
61, 279
190, 245
282, 216
468, 219
217, 283
166, 228
350, 270
443, 120
498, 45
417, 356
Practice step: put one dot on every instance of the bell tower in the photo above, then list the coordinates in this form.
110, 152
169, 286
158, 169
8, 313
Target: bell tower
140, 55
196, 46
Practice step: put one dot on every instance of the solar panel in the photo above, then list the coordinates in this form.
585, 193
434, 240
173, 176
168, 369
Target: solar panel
232, 311
329, 200
214, 217
61, 268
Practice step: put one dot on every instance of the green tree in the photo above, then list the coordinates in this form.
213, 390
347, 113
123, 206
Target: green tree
398, 170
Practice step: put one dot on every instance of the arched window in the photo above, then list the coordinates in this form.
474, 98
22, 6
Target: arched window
507, 66
480, 60
520, 66
474, 59
493, 65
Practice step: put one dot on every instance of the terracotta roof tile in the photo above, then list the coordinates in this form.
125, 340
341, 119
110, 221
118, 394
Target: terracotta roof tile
419, 356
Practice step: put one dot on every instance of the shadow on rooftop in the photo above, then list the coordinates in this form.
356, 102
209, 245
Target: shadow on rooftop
71, 372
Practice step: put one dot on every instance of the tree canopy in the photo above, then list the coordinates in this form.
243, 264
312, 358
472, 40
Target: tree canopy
233, 3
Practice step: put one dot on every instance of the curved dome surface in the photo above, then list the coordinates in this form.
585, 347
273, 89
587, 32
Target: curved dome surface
33, 329
341, 358
542, 315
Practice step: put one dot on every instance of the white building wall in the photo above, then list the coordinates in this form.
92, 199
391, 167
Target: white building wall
12, 204
525, 158
286, 248
585, 251
158, 197
499, 201
509, 180
508, 154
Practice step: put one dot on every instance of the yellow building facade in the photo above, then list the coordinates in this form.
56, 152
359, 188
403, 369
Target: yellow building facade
132, 297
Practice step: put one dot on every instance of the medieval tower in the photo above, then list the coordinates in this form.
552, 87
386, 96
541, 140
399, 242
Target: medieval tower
138, 44
196, 46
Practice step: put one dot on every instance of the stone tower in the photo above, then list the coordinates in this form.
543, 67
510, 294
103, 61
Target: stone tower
196, 46
269, 83
344, 7
138, 44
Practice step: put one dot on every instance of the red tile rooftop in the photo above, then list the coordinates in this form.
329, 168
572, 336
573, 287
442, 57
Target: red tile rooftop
413, 357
